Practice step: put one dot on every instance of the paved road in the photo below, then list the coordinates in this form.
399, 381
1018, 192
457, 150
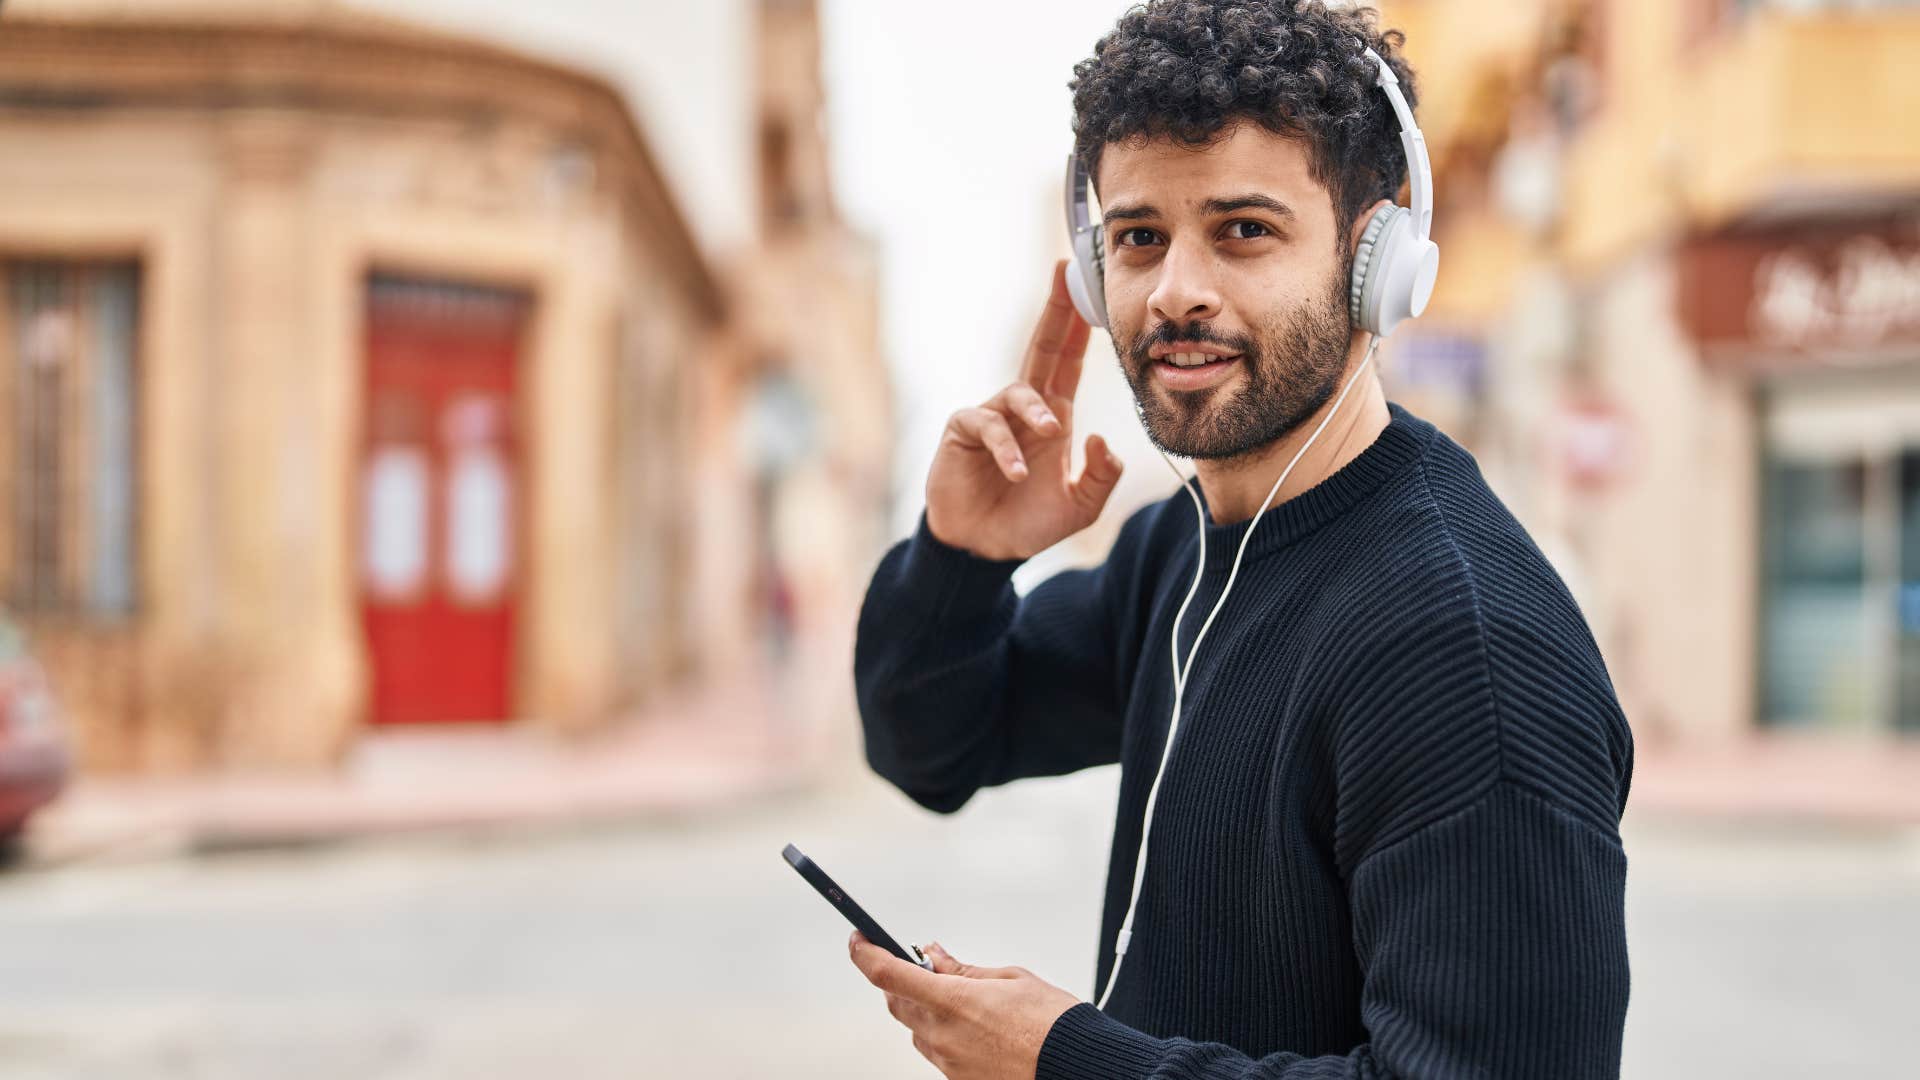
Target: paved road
689, 950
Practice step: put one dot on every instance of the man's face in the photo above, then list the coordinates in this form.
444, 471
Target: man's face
1231, 251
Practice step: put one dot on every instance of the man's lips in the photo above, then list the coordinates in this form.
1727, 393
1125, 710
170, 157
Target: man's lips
1160, 351
1197, 359
1194, 376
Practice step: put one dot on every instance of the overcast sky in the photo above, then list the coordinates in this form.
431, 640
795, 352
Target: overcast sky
951, 125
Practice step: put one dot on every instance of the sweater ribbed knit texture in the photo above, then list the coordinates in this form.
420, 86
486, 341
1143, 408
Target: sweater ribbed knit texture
1387, 840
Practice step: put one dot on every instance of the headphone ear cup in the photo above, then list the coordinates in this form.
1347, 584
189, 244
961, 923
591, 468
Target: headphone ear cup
1365, 259
1086, 278
1396, 279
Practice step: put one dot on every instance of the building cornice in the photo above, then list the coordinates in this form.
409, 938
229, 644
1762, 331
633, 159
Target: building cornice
346, 64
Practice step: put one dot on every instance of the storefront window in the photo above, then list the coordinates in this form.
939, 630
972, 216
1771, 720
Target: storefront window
1817, 646
1840, 642
1907, 718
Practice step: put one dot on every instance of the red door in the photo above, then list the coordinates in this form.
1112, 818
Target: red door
440, 492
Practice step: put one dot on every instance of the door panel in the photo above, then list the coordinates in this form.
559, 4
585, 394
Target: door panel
439, 480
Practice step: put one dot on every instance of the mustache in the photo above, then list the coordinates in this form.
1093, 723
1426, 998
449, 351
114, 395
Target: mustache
1167, 333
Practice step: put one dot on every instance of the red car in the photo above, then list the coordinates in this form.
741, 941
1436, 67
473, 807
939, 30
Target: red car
33, 750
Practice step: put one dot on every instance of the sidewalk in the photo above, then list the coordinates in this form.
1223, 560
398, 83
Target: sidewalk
1778, 776
685, 755
736, 743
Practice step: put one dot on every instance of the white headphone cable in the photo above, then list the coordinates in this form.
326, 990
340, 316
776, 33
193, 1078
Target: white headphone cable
1181, 672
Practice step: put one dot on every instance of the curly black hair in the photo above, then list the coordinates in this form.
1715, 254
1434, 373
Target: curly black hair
1188, 69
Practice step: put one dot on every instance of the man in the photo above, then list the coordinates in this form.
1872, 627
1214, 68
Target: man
1386, 839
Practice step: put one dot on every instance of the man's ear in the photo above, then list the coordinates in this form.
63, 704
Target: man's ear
1360, 224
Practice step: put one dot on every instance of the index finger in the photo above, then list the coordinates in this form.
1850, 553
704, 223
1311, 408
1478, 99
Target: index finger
1051, 334
1066, 371
894, 975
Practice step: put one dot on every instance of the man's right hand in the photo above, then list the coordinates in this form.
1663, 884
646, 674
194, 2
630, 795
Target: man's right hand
999, 486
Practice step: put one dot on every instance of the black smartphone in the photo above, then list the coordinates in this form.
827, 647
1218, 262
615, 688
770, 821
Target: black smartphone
855, 914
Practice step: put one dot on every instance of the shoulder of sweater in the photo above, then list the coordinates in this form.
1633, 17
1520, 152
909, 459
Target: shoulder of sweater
1446, 564
1459, 647
1563, 734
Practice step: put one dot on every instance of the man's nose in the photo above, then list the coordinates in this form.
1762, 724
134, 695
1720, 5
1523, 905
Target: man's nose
1186, 290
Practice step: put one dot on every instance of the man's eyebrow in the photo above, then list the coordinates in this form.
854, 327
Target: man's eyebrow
1225, 205
1250, 201
1129, 212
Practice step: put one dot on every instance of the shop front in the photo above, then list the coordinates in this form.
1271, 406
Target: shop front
1824, 321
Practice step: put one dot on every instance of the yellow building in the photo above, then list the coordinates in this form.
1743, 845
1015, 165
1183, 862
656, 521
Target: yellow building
360, 374
1679, 322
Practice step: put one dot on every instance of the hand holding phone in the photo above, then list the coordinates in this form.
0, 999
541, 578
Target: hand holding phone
854, 912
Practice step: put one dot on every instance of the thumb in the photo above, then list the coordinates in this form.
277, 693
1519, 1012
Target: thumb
1097, 480
945, 964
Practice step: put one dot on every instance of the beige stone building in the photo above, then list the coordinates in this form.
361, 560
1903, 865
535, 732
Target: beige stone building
820, 405
1676, 323
358, 374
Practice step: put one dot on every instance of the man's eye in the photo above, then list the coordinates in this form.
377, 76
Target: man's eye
1136, 237
1247, 230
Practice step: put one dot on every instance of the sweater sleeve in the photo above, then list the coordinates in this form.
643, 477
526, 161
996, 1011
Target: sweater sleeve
962, 684
1493, 942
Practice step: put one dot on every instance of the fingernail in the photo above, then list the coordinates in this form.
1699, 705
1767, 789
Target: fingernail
1019, 468
1044, 418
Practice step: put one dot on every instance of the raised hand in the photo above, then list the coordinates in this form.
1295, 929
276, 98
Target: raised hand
999, 486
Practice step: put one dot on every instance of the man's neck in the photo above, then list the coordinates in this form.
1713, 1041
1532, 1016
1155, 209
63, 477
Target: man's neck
1235, 487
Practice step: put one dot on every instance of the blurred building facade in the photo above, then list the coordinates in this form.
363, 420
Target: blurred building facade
794, 487
1679, 324
359, 374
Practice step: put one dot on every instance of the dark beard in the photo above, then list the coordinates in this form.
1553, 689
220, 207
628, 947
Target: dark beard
1289, 369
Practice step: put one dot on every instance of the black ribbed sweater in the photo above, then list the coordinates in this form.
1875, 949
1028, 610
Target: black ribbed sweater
1387, 841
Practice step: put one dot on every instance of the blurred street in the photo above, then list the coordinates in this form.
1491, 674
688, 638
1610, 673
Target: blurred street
686, 948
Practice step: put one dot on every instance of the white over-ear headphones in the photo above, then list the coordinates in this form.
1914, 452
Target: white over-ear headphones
1394, 265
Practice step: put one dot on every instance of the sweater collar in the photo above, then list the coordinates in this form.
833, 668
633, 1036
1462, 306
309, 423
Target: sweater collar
1399, 443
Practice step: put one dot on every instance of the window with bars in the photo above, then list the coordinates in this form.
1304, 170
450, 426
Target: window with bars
67, 452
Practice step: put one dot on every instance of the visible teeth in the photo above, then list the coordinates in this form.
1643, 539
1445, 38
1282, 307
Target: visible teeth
1190, 359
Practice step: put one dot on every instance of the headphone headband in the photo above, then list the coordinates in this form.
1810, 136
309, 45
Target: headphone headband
1419, 167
